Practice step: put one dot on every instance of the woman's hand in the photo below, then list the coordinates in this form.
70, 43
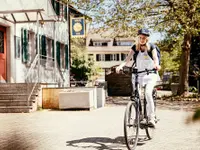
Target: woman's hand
118, 69
157, 67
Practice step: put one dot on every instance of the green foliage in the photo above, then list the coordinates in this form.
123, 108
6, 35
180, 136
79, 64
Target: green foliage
170, 54
82, 68
193, 89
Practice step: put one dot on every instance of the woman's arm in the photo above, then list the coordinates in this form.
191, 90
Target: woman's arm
155, 59
127, 60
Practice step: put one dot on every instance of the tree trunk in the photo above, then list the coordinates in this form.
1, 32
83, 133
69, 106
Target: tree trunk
184, 69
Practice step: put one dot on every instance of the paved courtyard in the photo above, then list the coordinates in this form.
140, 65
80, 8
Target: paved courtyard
100, 129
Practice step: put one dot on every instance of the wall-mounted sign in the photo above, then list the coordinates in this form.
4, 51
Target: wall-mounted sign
78, 27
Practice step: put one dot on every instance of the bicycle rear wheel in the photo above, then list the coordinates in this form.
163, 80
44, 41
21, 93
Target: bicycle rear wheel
131, 125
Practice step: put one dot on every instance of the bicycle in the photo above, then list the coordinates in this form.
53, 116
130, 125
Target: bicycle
134, 113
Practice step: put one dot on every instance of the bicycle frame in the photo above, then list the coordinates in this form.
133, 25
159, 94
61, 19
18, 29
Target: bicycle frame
136, 97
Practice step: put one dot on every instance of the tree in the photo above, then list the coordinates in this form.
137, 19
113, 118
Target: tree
82, 68
180, 18
170, 52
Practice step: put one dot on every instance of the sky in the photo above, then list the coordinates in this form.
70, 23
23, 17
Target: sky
156, 36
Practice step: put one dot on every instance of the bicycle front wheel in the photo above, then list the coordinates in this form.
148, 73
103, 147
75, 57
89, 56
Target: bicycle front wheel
131, 125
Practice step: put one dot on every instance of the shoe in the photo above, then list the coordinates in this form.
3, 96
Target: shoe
152, 123
143, 121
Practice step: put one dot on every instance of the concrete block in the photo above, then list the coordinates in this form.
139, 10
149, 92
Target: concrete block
76, 99
101, 97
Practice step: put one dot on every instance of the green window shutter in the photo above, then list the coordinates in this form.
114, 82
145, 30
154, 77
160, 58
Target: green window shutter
57, 8
53, 4
52, 54
66, 56
22, 42
65, 12
24, 46
58, 53
40, 44
36, 43
44, 52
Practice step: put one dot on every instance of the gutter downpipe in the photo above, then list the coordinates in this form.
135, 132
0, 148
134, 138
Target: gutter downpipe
38, 47
55, 61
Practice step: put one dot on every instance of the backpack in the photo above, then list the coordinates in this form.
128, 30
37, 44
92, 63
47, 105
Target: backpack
152, 46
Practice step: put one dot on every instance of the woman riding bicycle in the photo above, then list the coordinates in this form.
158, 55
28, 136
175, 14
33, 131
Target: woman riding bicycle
144, 61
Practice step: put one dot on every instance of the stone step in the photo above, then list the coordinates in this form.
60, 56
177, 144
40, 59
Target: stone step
15, 109
16, 96
17, 91
17, 85
13, 97
19, 88
15, 103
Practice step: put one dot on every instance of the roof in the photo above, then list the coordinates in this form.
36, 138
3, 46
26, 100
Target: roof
23, 11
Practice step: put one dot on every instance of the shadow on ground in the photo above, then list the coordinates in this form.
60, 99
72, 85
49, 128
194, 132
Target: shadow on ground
102, 143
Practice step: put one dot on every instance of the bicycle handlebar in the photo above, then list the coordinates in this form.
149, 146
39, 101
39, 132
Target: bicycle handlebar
135, 70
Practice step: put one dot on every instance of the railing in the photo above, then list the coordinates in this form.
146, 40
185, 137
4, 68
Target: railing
42, 70
32, 78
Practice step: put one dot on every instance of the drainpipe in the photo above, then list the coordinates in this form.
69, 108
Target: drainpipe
55, 61
69, 43
38, 47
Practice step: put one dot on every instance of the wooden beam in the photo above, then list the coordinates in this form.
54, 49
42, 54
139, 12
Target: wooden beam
27, 16
21, 11
8, 20
41, 16
13, 17
33, 21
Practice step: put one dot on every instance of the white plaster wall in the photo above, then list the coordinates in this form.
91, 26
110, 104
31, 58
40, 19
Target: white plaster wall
16, 70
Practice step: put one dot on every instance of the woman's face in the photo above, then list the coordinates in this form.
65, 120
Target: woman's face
142, 39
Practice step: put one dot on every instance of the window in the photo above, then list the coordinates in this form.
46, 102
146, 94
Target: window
124, 43
31, 47
116, 57
108, 57
50, 62
100, 57
90, 57
111, 57
123, 56
121, 43
100, 43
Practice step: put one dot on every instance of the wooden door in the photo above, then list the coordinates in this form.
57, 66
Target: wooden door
3, 57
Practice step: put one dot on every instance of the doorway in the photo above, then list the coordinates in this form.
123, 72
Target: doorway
3, 69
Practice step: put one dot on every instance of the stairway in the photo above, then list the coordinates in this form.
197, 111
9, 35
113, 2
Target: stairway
14, 97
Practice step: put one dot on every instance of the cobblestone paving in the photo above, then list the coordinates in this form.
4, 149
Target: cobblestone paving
100, 129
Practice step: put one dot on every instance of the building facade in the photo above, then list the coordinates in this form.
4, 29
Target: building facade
108, 52
34, 41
